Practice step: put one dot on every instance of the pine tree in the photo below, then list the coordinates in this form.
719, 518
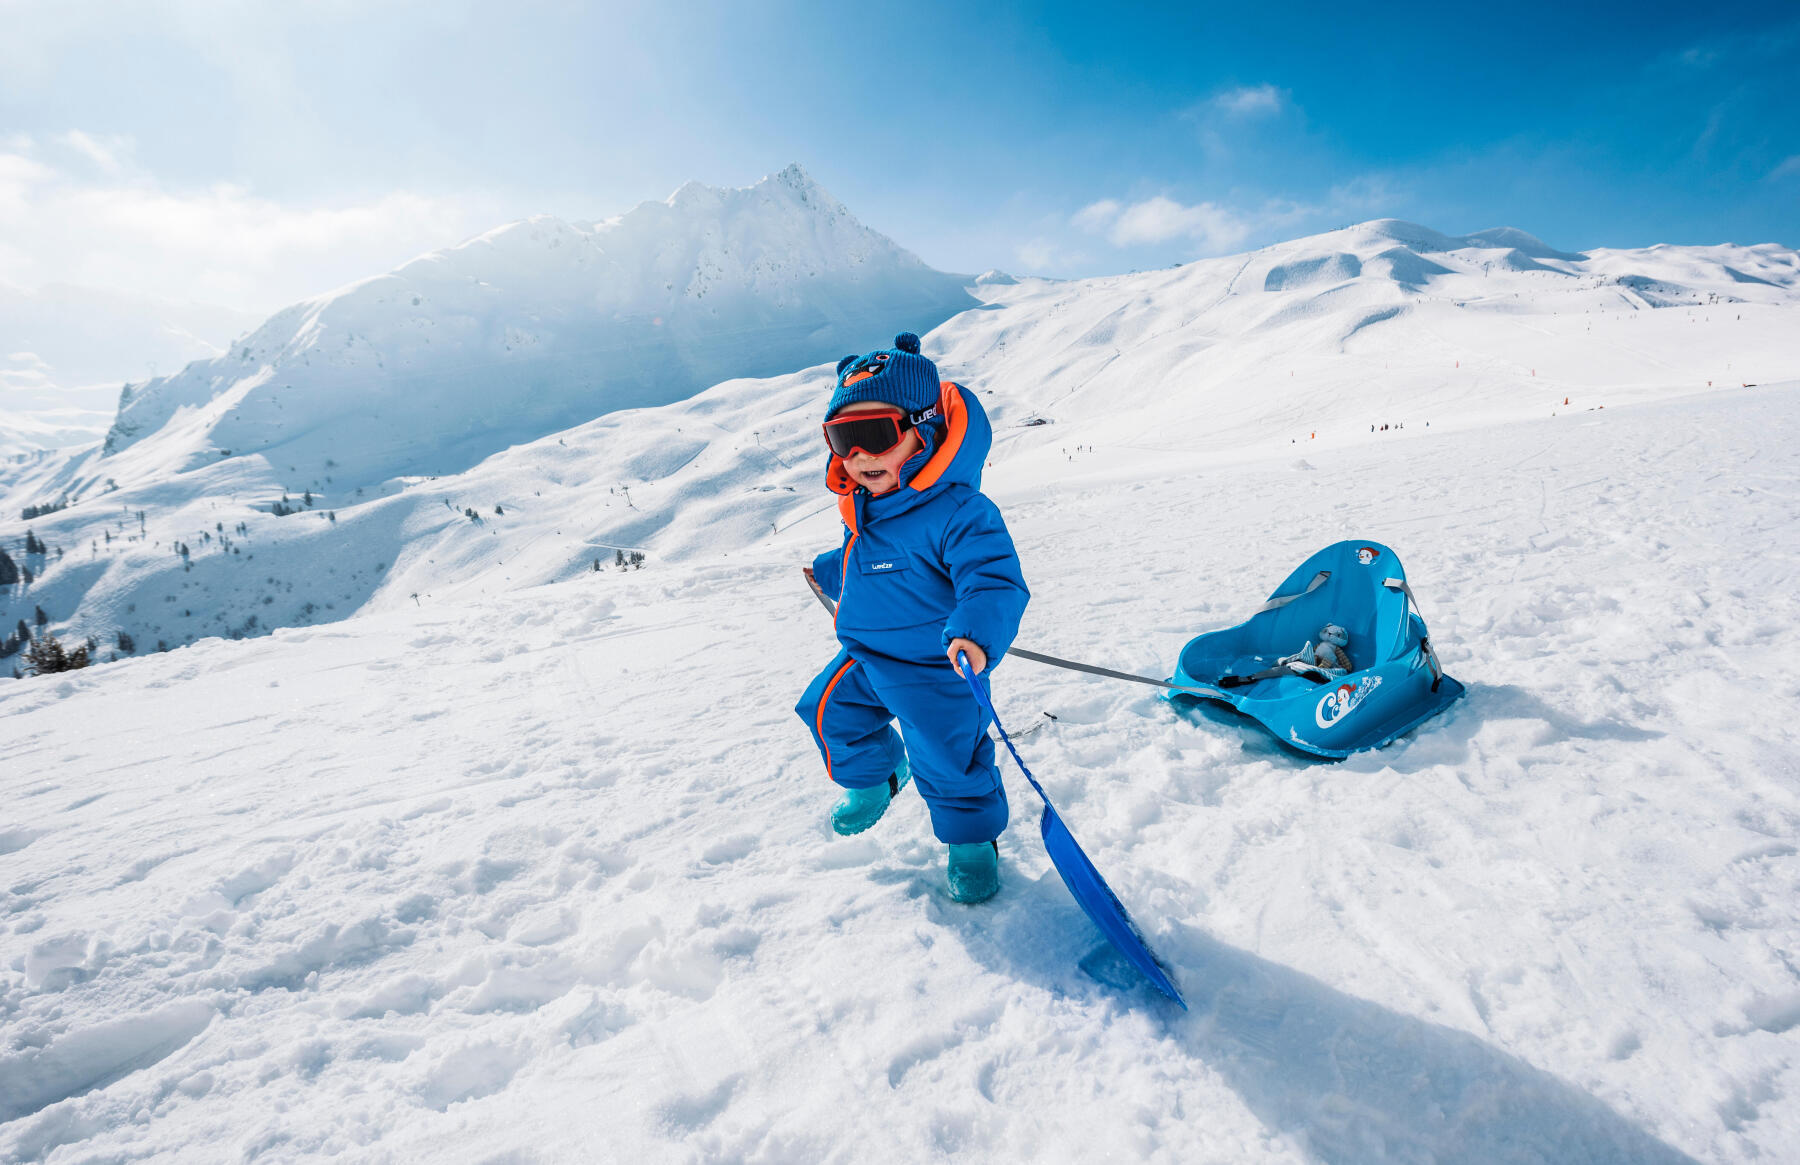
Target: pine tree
46, 656
9, 570
41, 617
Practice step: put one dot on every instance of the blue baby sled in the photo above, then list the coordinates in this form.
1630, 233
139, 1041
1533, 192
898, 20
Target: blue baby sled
1392, 682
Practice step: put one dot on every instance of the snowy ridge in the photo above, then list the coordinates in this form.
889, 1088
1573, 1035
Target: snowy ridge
533, 327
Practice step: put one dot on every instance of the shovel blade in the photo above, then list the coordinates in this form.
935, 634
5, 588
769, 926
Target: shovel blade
1100, 904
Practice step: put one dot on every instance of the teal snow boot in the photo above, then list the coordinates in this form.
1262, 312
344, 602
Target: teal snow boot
860, 808
975, 871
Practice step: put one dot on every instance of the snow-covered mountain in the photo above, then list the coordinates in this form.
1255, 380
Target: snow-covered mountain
532, 328
1312, 343
65, 350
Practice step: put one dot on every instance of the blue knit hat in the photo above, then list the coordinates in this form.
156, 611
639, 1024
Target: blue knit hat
897, 375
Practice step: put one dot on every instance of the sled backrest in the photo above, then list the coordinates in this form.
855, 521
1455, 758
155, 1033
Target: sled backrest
1352, 593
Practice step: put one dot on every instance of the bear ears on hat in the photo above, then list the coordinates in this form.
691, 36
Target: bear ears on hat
904, 342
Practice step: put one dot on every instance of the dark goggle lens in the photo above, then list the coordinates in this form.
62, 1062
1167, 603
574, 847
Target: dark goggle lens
873, 435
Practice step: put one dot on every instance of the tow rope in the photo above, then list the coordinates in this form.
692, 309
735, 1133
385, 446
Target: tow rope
1051, 660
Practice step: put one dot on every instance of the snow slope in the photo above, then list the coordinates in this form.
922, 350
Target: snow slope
1316, 341
534, 327
545, 875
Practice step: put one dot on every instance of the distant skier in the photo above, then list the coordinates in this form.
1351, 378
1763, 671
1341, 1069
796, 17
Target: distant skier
926, 572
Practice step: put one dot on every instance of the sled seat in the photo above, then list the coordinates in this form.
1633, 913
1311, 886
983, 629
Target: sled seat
1396, 682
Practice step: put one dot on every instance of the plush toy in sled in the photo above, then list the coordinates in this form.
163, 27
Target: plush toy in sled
1366, 674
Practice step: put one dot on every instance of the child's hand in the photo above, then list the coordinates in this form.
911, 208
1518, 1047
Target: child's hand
977, 657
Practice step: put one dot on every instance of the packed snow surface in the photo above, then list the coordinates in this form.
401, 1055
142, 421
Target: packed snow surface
546, 875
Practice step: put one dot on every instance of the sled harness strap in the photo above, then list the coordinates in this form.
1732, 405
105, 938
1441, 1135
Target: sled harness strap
1036, 657
1296, 668
1437, 669
1318, 580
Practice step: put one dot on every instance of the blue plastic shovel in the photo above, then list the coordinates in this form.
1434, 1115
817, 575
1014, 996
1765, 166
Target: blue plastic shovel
1078, 873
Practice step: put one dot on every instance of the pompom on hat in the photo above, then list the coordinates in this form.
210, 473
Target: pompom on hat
897, 375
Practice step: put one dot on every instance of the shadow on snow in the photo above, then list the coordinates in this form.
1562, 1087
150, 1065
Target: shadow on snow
1348, 1079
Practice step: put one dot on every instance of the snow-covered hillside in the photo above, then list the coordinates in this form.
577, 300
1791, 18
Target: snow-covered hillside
1315, 343
532, 328
545, 876
1384, 322
65, 350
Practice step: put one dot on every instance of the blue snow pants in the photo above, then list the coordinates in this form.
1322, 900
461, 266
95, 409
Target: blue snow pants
850, 711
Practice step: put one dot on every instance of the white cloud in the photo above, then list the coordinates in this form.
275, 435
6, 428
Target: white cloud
1161, 219
19, 173
1216, 228
1249, 101
1042, 256
1036, 254
98, 221
105, 155
1789, 168
1097, 216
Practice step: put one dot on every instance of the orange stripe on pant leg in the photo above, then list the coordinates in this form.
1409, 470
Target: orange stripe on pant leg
819, 719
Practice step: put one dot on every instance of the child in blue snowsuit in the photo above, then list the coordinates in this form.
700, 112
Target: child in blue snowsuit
926, 575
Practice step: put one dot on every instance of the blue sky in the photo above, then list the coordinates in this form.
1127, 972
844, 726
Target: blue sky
249, 153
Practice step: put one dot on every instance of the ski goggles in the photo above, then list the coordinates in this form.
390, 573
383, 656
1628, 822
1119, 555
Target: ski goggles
873, 433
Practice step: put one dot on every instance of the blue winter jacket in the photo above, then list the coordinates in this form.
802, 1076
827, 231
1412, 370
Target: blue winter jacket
929, 561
